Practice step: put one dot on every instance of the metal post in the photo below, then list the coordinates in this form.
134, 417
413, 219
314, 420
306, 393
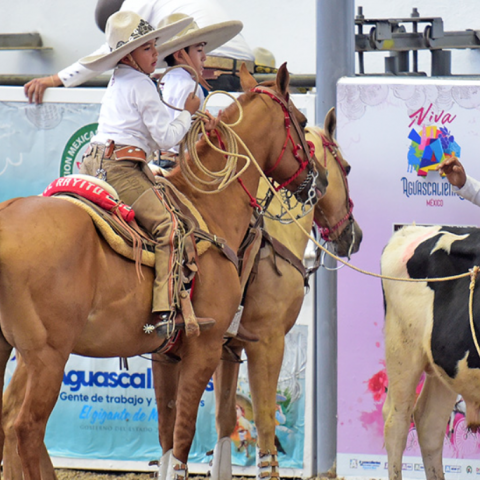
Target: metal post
335, 59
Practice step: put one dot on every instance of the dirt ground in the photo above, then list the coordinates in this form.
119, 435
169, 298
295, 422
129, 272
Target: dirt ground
67, 474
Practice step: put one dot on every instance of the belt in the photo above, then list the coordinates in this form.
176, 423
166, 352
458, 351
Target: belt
118, 152
229, 64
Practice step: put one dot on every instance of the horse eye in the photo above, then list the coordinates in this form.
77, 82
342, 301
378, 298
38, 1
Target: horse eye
303, 124
347, 169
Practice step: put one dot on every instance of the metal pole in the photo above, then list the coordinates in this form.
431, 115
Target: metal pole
335, 59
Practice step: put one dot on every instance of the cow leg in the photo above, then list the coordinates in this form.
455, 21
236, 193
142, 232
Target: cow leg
165, 382
225, 380
404, 369
431, 414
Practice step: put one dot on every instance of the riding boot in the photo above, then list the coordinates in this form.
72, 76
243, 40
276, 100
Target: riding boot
156, 216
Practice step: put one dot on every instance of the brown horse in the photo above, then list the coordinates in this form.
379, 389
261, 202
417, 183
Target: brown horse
63, 290
272, 304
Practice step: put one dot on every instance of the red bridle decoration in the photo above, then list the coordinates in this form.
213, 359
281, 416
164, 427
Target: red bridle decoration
296, 148
326, 232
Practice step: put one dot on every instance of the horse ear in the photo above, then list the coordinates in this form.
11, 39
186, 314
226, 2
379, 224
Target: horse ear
330, 123
246, 79
283, 79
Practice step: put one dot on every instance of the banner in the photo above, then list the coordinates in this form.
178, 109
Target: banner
104, 413
393, 132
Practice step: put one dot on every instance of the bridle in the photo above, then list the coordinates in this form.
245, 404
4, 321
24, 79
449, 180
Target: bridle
305, 146
327, 232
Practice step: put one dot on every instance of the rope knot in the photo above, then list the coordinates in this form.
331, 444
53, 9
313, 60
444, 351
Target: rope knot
473, 276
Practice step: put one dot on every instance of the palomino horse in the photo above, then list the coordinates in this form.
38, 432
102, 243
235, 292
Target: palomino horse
63, 290
272, 304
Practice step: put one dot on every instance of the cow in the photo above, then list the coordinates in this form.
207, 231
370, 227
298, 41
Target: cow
427, 329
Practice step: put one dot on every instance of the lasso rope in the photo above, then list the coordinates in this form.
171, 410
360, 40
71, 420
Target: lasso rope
210, 181
473, 276
225, 176
222, 178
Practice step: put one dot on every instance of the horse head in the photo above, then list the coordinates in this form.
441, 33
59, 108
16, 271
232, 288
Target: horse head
290, 163
334, 211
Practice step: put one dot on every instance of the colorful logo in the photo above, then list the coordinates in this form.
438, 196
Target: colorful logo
75, 145
430, 146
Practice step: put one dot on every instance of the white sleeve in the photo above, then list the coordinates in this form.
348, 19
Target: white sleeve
470, 191
165, 132
77, 74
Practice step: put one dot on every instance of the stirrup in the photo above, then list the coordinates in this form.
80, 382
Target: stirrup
165, 327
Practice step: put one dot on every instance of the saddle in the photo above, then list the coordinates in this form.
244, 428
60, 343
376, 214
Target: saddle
116, 223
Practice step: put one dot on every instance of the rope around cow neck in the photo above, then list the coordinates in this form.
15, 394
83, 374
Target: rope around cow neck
222, 178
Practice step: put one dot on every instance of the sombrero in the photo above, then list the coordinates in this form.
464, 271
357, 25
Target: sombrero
126, 31
213, 35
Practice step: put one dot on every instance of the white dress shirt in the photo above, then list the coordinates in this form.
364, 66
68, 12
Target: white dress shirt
177, 85
470, 191
133, 114
204, 12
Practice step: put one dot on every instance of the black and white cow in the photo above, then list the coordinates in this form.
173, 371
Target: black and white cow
427, 329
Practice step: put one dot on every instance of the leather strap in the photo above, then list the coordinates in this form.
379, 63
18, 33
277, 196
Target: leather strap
129, 153
281, 250
220, 243
229, 64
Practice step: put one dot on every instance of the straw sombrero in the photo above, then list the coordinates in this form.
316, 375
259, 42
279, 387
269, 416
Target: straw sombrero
213, 35
126, 31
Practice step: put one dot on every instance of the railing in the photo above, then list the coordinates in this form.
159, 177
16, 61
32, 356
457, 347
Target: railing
391, 35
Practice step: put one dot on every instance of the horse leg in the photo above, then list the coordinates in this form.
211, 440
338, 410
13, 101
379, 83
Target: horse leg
431, 414
165, 382
264, 363
5, 351
225, 381
44, 374
404, 369
12, 401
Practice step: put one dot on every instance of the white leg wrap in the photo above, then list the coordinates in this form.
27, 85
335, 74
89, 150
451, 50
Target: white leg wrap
267, 465
163, 465
222, 460
177, 470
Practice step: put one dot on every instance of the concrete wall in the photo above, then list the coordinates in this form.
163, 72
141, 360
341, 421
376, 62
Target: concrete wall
286, 27
69, 27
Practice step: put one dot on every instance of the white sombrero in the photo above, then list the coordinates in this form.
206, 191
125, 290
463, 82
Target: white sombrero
213, 35
126, 31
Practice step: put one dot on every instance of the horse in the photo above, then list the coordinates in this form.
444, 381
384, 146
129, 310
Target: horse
272, 303
64, 290
430, 328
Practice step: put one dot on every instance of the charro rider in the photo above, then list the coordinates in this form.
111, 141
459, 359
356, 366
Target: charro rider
189, 47
133, 123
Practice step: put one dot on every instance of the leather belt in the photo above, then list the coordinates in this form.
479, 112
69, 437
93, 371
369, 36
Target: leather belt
118, 152
228, 64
